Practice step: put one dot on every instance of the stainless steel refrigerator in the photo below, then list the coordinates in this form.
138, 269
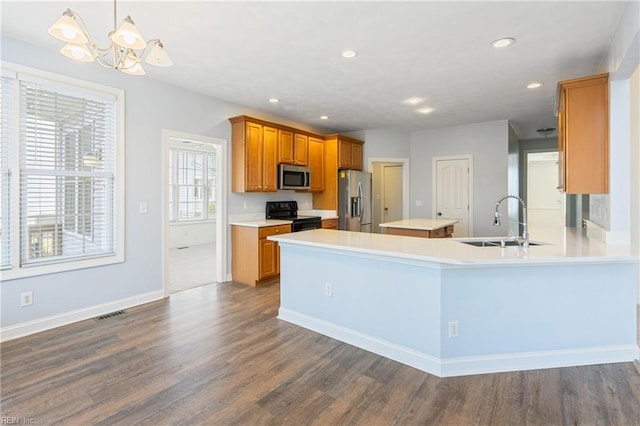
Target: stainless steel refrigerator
354, 200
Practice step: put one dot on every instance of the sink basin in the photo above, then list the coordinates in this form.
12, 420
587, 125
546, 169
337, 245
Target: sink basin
494, 243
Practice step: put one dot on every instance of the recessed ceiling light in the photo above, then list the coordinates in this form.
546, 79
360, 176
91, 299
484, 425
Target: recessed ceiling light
349, 54
503, 42
413, 101
324, 117
425, 110
274, 100
534, 85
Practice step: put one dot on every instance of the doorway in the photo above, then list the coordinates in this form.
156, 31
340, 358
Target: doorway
194, 210
545, 204
390, 190
452, 189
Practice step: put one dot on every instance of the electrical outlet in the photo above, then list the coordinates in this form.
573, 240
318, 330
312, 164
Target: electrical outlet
328, 289
418, 203
26, 299
453, 329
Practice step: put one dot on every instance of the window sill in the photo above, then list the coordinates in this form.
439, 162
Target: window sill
71, 265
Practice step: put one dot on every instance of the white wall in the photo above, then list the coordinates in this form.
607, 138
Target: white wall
613, 211
150, 106
634, 178
385, 144
488, 142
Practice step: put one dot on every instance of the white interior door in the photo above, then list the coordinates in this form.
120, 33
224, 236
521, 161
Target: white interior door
392, 193
452, 182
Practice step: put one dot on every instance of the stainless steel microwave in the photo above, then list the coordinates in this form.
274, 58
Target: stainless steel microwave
293, 177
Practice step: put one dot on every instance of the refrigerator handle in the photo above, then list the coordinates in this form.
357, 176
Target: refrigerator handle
360, 192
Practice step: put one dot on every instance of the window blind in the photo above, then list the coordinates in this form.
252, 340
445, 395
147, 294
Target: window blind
7, 117
67, 163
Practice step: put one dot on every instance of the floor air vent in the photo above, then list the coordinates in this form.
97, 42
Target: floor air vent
110, 315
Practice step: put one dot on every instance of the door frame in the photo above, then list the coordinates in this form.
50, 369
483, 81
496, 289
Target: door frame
405, 178
221, 195
434, 187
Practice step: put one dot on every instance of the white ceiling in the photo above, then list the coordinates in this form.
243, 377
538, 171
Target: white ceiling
248, 52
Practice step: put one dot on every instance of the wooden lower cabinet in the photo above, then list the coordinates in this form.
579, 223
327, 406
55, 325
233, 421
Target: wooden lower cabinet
255, 260
330, 224
445, 232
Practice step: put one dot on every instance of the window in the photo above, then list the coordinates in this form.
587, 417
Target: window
191, 185
61, 176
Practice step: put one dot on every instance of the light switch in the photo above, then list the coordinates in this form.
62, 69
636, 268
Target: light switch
142, 207
418, 203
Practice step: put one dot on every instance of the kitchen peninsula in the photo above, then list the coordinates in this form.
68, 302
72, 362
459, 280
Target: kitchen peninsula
453, 309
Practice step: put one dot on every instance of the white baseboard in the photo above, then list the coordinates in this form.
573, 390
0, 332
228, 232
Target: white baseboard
47, 323
462, 366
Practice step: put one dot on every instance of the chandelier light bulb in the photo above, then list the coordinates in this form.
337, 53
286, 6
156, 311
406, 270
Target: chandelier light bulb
128, 36
79, 52
66, 29
69, 33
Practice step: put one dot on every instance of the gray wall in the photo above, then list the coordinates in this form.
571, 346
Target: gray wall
488, 142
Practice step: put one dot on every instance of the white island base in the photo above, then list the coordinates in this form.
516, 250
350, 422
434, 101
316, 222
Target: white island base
521, 315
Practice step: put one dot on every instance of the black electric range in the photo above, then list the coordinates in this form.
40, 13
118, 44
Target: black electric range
288, 210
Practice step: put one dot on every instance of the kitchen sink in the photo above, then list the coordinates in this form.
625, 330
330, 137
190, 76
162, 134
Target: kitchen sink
495, 243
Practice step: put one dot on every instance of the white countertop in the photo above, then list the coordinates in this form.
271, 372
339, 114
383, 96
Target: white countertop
564, 245
261, 223
421, 224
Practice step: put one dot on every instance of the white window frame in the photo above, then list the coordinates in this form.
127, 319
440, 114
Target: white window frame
205, 186
118, 256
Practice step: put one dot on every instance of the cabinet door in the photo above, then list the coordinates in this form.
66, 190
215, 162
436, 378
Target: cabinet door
356, 156
583, 135
285, 147
253, 157
300, 150
268, 260
344, 154
316, 164
270, 160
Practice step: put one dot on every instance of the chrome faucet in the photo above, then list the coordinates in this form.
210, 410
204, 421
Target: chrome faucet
524, 240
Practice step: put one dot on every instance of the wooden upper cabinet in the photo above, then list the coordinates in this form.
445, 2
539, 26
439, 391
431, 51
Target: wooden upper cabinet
583, 135
349, 154
344, 154
253, 156
253, 162
270, 159
258, 146
292, 147
300, 150
356, 156
316, 164
339, 153
285, 146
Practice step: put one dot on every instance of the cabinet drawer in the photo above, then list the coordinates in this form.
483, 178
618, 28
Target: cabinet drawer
273, 230
330, 224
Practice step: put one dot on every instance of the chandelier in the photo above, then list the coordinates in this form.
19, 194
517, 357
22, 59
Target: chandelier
125, 53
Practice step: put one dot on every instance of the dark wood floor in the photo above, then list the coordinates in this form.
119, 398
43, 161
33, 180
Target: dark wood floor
218, 355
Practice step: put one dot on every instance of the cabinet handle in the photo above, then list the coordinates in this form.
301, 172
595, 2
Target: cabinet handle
277, 230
